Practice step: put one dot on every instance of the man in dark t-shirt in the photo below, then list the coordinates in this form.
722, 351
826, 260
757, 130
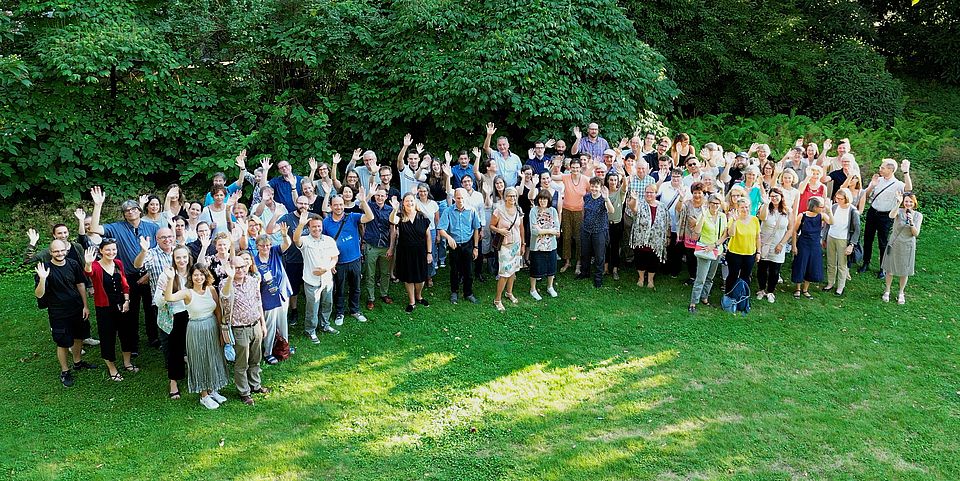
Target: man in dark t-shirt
60, 290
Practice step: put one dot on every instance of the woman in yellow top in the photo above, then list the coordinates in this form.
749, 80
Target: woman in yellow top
743, 251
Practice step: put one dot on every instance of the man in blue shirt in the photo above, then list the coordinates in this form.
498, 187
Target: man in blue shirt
127, 233
378, 237
538, 159
344, 228
508, 163
461, 170
460, 227
220, 179
286, 187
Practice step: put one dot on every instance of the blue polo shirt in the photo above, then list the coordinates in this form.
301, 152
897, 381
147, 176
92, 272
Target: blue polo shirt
460, 224
231, 188
539, 166
128, 238
349, 239
459, 173
284, 193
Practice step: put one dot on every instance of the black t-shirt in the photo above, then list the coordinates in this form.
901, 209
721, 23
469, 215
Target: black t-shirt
195, 246
653, 160
293, 254
61, 296
736, 176
838, 179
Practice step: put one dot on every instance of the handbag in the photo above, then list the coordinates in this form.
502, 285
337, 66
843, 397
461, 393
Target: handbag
704, 252
496, 240
856, 256
281, 348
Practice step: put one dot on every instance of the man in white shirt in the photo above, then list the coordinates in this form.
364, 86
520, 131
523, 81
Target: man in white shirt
320, 254
508, 163
882, 194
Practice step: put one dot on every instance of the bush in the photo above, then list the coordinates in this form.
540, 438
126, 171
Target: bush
854, 82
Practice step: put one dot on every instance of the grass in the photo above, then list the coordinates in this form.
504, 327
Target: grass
615, 383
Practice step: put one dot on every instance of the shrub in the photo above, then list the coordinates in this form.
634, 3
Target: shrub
853, 81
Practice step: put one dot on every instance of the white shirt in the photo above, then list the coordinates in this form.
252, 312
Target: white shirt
887, 198
475, 201
429, 209
318, 253
408, 180
841, 223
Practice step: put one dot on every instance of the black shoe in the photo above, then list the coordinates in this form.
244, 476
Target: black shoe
423, 302
597, 285
881, 274
66, 378
134, 354
154, 342
688, 282
329, 330
863, 268
292, 318
83, 365
410, 307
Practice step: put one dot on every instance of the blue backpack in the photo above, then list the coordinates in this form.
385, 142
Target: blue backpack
738, 299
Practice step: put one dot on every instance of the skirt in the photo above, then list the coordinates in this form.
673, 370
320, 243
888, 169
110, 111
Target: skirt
206, 367
543, 264
509, 259
807, 263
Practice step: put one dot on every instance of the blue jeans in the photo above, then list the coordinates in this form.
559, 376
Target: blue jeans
347, 276
317, 296
706, 272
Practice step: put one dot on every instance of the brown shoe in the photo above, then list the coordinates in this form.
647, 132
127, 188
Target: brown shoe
247, 400
386, 300
261, 390
370, 305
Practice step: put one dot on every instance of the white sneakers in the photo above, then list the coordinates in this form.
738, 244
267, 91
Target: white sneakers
357, 315
536, 295
552, 291
218, 397
208, 402
771, 298
338, 321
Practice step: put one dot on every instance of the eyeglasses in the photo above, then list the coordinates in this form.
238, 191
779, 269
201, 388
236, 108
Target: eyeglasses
109, 240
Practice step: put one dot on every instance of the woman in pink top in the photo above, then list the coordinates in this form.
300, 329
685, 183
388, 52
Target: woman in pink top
575, 185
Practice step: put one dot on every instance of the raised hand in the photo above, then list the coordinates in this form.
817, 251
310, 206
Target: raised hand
284, 228
407, 140
476, 153
265, 163
899, 198
33, 236
336, 159
605, 192
144, 243
395, 204
357, 154
242, 159
228, 269
753, 147
419, 148
361, 195
905, 166
97, 195
550, 143
798, 143
143, 199
447, 169
90, 254
827, 144
875, 180
577, 133
447, 157
313, 163
729, 157
204, 242
80, 214
623, 143
235, 197
42, 271
491, 129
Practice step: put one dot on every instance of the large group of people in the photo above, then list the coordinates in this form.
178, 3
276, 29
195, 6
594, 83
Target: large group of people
218, 273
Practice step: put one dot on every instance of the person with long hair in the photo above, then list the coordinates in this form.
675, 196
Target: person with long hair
616, 186
430, 210
174, 204
325, 182
207, 371
743, 251
902, 249
215, 263
507, 221
111, 298
414, 242
840, 237
648, 235
172, 319
544, 231
682, 150
808, 251
152, 207
775, 228
690, 210
710, 228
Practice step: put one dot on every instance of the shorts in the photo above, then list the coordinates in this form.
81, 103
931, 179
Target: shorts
66, 328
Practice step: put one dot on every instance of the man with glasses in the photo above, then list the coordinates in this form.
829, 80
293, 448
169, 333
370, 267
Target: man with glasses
593, 144
156, 259
286, 187
508, 163
653, 158
60, 289
538, 157
127, 233
882, 193
379, 237
693, 173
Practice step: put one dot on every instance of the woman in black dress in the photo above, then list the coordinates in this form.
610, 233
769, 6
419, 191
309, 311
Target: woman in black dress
414, 248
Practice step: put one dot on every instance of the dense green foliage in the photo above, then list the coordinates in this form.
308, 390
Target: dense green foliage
113, 89
922, 39
620, 384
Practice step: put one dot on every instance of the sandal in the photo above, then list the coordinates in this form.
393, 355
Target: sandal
116, 377
512, 298
807, 295
131, 368
886, 296
796, 294
174, 395
499, 306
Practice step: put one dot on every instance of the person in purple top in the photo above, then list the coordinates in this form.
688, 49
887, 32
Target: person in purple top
593, 144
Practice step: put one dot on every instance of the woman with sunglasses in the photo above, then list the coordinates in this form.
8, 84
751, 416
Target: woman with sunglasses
507, 221
710, 228
775, 229
902, 248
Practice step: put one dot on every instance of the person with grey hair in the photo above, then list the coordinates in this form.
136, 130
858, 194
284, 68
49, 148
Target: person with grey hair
368, 172
808, 252
901, 257
840, 237
127, 233
507, 221
711, 228
882, 194
508, 163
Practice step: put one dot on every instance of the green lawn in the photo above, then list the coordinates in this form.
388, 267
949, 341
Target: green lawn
615, 383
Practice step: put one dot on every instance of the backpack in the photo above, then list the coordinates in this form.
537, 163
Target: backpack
738, 299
